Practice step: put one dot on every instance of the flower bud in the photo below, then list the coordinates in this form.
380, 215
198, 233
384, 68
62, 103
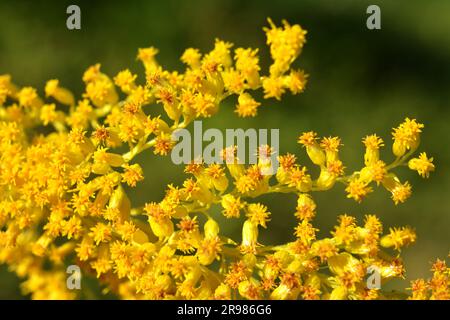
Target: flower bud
371, 155
282, 175
281, 292
164, 282
6, 83
62, 95
180, 212
248, 290
342, 262
295, 266
162, 227
398, 148
223, 292
249, 260
316, 154
339, 293
326, 179
249, 235
140, 237
208, 250
221, 183
211, 229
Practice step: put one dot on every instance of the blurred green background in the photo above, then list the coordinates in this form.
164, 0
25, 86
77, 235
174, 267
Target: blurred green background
361, 82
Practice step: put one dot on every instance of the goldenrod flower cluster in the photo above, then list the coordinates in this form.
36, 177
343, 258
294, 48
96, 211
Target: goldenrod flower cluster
63, 202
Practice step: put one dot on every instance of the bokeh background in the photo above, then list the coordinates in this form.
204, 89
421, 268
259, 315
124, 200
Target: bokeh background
361, 82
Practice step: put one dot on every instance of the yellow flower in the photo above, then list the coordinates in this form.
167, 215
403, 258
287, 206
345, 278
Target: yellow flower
419, 289
104, 159
324, 249
358, 190
29, 98
132, 174
163, 144
221, 53
219, 179
147, 57
249, 290
306, 207
92, 73
296, 81
233, 81
257, 213
305, 232
222, 292
7, 88
313, 149
398, 238
247, 62
423, 165
285, 44
273, 87
100, 233
247, 106
101, 266
101, 92
374, 171
373, 144
299, 179
232, 206
4, 92
63, 190
249, 237
72, 228
191, 57
62, 95
125, 80
401, 192
209, 250
48, 113
331, 146
205, 105
406, 136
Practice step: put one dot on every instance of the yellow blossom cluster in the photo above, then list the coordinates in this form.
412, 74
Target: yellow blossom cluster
63, 201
